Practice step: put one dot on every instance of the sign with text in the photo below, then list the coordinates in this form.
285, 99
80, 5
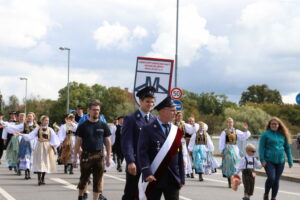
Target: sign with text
176, 93
153, 72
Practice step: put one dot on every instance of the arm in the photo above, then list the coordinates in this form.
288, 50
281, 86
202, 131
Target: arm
262, 144
287, 149
31, 135
54, 140
62, 133
127, 140
190, 129
240, 166
12, 128
142, 154
78, 144
210, 144
192, 142
222, 142
243, 136
257, 164
108, 150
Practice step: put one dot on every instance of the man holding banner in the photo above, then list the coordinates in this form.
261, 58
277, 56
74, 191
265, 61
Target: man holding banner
160, 156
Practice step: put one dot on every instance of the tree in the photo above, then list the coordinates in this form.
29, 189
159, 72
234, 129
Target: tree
261, 94
13, 102
256, 118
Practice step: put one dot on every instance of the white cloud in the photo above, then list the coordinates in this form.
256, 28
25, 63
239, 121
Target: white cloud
290, 98
193, 36
115, 35
23, 23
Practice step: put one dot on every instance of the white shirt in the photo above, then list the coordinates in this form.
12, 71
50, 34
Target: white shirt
241, 136
209, 145
242, 164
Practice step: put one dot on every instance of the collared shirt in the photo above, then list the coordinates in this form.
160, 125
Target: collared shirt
144, 114
162, 127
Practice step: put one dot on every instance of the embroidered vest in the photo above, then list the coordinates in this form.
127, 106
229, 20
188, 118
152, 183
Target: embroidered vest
231, 137
28, 129
44, 136
201, 139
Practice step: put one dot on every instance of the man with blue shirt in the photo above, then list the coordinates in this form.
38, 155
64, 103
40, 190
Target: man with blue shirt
160, 155
132, 126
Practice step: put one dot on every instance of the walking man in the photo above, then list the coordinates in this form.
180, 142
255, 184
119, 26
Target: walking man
91, 135
132, 126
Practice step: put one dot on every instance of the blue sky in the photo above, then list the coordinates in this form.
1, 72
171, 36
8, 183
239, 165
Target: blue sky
224, 45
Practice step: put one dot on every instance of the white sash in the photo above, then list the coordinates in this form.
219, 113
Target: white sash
157, 161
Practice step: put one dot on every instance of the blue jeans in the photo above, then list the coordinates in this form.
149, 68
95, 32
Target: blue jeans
273, 172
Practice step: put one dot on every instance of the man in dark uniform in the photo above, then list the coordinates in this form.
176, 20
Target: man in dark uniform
168, 177
117, 145
90, 137
132, 126
79, 113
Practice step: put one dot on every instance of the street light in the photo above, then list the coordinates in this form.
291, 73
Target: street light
25, 79
68, 86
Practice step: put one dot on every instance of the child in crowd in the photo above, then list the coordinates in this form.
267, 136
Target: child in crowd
247, 165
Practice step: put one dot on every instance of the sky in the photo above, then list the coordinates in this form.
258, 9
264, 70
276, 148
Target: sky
224, 46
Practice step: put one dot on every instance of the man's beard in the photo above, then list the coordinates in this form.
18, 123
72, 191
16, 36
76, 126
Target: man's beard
95, 117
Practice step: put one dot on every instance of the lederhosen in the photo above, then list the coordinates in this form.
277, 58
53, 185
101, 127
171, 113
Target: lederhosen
67, 148
248, 179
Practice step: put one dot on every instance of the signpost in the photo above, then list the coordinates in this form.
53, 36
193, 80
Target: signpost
153, 72
298, 99
179, 105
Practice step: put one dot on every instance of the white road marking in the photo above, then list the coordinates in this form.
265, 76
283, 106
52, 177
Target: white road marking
6, 195
260, 188
123, 180
65, 183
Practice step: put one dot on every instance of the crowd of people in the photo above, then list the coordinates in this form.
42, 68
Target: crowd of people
160, 151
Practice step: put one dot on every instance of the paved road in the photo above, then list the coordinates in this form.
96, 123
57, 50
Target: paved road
62, 186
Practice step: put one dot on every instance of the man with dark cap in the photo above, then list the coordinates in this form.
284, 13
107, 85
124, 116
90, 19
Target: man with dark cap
117, 144
160, 155
132, 126
79, 113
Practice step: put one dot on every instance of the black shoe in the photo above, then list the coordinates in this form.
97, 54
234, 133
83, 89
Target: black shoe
101, 197
120, 169
192, 175
188, 175
66, 169
266, 196
85, 196
80, 198
200, 177
229, 182
71, 170
19, 173
10, 168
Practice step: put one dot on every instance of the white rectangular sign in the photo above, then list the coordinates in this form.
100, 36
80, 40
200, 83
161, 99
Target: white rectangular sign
153, 72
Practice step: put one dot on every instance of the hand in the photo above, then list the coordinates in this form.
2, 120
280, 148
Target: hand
150, 179
132, 169
108, 161
181, 185
245, 125
290, 166
264, 164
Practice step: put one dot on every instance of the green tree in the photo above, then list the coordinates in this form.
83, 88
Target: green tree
255, 117
260, 94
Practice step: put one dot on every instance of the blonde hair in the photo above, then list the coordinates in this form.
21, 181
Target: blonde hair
31, 113
250, 147
281, 129
43, 117
229, 118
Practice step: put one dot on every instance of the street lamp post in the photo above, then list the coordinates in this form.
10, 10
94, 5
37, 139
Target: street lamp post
68, 86
25, 79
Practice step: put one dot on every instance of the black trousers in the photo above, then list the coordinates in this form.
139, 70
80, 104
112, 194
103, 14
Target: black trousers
171, 192
131, 186
1, 148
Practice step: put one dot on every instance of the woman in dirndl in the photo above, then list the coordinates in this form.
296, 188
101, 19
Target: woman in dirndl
44, 153
229, 148
201, 147
25, 148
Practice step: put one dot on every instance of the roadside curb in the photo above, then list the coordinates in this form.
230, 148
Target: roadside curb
283, 177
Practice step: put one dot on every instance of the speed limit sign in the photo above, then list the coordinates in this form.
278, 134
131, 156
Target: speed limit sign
176, 93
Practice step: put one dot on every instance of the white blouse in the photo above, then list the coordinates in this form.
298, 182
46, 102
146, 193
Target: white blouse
63, 131
241, 136
209, 145
54, 140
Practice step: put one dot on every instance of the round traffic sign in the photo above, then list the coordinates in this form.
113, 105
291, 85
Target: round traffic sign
176, 93
179, 105
298, 99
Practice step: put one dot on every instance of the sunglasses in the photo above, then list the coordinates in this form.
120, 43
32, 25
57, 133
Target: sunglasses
252, 151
